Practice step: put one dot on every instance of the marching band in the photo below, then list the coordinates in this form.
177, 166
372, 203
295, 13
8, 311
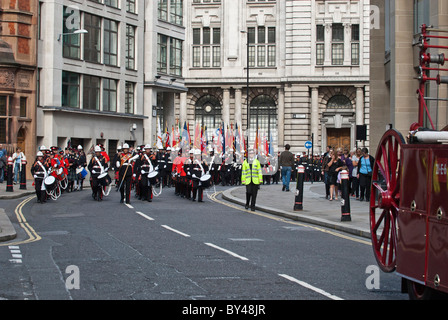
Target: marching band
145, 170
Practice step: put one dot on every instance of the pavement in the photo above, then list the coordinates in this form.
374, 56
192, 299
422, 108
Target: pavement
316, 209
7, 230
271, 199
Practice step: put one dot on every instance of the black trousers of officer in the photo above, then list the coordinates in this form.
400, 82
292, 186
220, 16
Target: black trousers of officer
251, 195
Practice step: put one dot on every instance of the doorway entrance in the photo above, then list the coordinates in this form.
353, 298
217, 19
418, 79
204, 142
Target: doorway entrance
339, 138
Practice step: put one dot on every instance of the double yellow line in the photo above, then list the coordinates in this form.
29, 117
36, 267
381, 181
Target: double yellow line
32, 234
336, 234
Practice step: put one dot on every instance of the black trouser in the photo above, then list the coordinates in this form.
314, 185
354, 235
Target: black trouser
145, 188
126, 184
251, 195
41, 194
364, 185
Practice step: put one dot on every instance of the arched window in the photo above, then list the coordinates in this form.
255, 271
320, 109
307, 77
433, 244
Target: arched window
263, 116
339, 101
208, 112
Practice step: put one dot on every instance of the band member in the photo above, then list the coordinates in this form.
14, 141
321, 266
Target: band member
39, 171
188, 171
145, 166
169, 167
198, 169
71, 161
81, 163
179, 175
98, 166
124, 165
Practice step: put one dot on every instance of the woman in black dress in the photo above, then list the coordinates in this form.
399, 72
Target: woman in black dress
335, 165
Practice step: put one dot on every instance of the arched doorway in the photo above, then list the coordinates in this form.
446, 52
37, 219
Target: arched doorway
263, 116
21, 140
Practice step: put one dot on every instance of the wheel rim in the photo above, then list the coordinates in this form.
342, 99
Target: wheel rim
385, 199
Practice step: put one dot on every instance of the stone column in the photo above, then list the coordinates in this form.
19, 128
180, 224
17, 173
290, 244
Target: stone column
238, 107
359, 105
281, 117
226, 106
183, 108
315, 112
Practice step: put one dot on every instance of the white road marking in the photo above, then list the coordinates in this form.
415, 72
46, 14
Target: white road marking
227, 251
145, 216
308, 286
129, 206
176, 231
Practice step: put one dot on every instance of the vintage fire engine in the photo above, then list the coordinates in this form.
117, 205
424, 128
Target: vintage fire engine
409, 192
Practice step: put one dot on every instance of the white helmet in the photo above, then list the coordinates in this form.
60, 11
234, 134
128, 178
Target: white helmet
40, 154
125, 146
79, 147
148, 146
43, 148
197, 152
97, 149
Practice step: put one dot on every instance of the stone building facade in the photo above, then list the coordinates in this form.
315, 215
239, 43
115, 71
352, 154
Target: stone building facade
308, 69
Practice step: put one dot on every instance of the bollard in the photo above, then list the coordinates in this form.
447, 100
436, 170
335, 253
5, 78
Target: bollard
10, 178
298, 202
345, 201
23, 174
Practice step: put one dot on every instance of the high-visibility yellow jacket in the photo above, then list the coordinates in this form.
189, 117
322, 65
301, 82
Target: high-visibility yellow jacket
255, 175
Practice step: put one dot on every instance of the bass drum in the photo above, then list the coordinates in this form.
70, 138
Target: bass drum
50, 183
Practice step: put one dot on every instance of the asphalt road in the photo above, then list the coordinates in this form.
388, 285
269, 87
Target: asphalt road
76, 248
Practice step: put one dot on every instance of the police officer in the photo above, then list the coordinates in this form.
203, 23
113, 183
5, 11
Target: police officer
251, 177
39, 171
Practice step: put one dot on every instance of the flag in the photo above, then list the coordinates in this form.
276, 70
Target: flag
256, 142
271, 147
159, 143
223, 138
197, 137
185, 137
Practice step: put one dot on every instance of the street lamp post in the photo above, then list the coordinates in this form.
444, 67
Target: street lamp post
247, 88
80, 31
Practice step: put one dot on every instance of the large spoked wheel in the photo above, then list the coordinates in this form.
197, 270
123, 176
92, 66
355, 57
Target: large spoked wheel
385, 199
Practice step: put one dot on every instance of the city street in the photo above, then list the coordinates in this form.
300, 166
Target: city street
174, 249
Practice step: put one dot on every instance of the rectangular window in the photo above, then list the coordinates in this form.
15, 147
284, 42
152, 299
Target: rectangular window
130, 6
163, 10
110, 42
129, 97
71, 42
355, 44
176, 12
91, 92
109, 95
130, 47
23, 107
262, 48
3, 102
320, 44
206, 47
92, 39
2, 130
162, 54
337, 46
111, 3
70, 89
175, 57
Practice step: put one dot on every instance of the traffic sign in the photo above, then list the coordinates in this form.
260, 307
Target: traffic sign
308, 144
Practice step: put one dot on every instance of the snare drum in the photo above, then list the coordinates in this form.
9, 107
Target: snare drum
205, 180
50, 183
153, 174
104, 179
82, 171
